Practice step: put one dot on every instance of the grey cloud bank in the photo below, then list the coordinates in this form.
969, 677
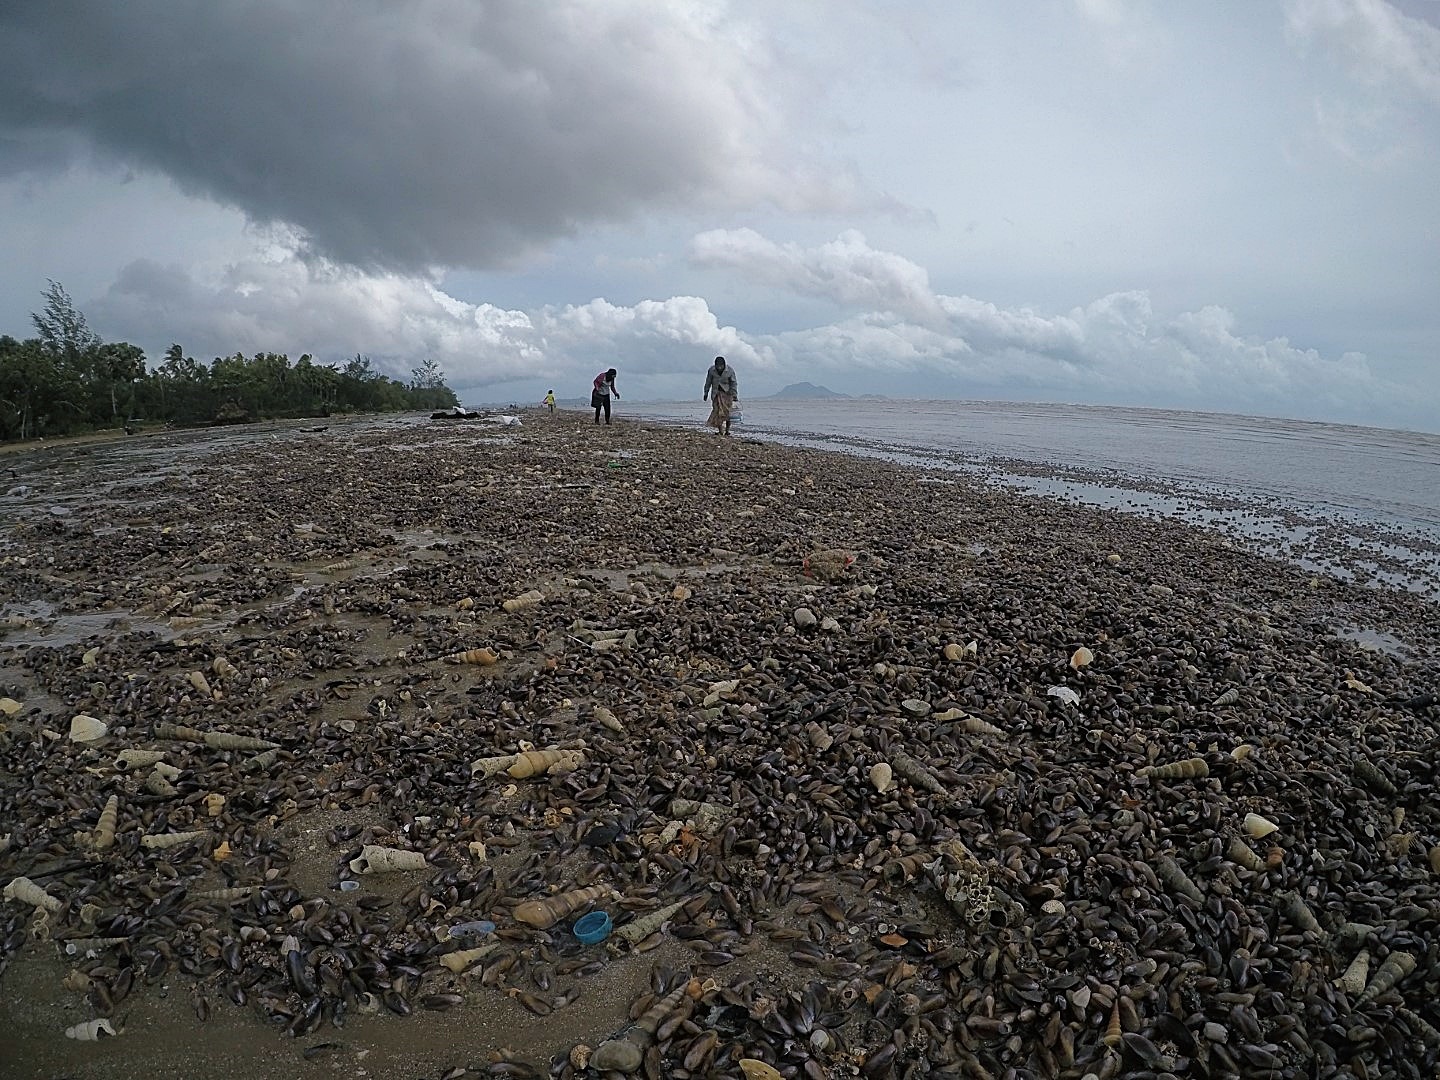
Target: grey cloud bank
1221, 209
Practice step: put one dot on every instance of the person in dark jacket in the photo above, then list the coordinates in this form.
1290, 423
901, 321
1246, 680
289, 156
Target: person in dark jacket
723, 391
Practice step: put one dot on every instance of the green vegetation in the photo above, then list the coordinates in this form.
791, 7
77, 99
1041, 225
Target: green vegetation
67, 380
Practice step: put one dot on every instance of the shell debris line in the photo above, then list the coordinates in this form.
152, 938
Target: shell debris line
821, 738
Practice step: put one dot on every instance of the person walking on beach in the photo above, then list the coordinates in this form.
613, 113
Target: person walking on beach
720, 382
601, 391
549, 401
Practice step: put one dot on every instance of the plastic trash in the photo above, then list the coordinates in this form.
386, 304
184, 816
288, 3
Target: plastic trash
593, 928
478, 928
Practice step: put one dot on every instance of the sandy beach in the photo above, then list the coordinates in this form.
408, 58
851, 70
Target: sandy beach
924, 777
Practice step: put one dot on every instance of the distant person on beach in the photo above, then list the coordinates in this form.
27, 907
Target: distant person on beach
549, 401
723, 391
601, 391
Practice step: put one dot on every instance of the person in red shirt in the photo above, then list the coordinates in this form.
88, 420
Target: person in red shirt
601, 391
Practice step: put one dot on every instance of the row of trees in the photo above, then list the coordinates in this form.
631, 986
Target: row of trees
66, 379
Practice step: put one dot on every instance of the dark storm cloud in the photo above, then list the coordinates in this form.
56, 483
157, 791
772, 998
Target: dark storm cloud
412, 134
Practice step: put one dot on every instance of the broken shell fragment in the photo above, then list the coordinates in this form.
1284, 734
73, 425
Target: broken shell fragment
973, 725
461, 961
27, 892
1371, 777
224, 740
375, 859
1292, 905
485, 657
952, 652
156, 784
916, 706
223, 668
637, 930
1354, 978
85, 728
1243, 751
1081, 657
200, 683
138, 759
1064, 693
804, 618
1257, 827
492, 765
91, 1030
681, 592
882, 777
214, 804
9, 706
755, 1069
1186, 769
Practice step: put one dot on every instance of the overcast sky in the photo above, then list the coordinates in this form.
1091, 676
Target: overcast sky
1205, 204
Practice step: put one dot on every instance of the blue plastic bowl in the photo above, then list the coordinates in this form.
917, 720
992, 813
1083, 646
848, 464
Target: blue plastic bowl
593, 927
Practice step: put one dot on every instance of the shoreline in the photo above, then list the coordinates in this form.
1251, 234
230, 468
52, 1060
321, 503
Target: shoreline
330, 572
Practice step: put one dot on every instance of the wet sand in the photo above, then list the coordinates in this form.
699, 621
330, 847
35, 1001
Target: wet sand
334, 570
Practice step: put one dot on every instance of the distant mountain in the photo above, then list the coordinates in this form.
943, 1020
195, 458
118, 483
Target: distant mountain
803, 390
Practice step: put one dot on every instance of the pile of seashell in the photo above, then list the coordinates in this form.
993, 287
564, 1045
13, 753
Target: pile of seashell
891, 778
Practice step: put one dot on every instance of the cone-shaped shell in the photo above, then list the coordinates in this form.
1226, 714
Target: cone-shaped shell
523, 601
27, 892
973, 725
539, 762
1356, 975
1081, 657
918, 774
1257, 827
161, 841
138, 759
1229, 697
882, 777
543, 914
223, 668
1293, 907
1186, 769
178, 733
200, 683
608, 719
491, 765
1114, 1034
1392, 972
464, 959
1371, 777
260, 761
1168, 871
375, 859
1243, 854
85, 728
473, 656
238, 892
639, 929
105, 830
224, 740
